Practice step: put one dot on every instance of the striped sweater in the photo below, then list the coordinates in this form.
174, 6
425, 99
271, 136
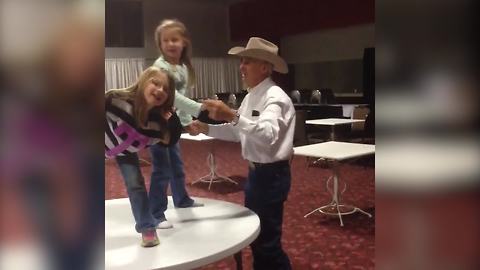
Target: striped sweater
123, 136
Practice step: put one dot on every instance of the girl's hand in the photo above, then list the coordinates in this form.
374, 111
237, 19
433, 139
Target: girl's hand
166, 115
198, 127
192, 129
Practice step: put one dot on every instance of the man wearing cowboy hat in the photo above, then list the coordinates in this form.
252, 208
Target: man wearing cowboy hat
264, 124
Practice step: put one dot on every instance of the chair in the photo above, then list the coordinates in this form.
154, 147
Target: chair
360, 112
305, 94
327, 96
316, 97
232, 101
300, 134
223, 96
316, 134
358, 131
369, 133
295, 96
240, 96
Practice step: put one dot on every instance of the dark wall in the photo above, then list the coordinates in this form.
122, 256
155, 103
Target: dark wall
342, 76
207, 22
285, 81
123, 23
325, 60
274, 19
369, 75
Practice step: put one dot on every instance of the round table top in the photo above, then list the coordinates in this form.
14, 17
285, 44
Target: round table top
200, 236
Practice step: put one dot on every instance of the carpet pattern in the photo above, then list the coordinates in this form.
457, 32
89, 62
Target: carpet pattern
316, 242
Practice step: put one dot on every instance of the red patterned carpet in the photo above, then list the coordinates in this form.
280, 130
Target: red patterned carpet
316, 242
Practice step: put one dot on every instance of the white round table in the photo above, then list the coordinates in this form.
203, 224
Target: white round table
200, 236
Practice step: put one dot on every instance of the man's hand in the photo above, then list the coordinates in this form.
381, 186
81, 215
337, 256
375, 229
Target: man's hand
218, 110
192, 129
199, 127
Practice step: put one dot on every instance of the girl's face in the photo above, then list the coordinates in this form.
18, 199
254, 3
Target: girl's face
155, 91
172, 44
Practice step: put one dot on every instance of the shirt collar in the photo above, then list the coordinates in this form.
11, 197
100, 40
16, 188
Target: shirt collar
263, 84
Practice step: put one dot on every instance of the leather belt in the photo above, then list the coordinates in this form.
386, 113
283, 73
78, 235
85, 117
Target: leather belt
276, 164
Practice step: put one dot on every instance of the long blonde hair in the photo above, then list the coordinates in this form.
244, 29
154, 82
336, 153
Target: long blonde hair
186, 57
135, 94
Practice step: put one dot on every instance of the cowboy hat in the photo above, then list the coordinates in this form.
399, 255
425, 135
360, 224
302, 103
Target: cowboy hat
262, 49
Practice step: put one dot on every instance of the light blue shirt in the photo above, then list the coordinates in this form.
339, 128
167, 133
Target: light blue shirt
185, 106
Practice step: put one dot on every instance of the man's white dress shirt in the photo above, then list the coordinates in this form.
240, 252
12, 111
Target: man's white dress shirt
266, 124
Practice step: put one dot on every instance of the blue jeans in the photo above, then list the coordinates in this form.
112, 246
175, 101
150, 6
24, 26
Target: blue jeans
266, 190
137, 192
167, 168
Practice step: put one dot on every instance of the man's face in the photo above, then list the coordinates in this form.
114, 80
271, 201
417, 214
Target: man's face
253, 71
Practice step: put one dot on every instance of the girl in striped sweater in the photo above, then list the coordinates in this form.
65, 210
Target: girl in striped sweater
137, 117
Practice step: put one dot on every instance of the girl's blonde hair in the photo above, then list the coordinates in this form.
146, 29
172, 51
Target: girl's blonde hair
186, 57
135, 95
